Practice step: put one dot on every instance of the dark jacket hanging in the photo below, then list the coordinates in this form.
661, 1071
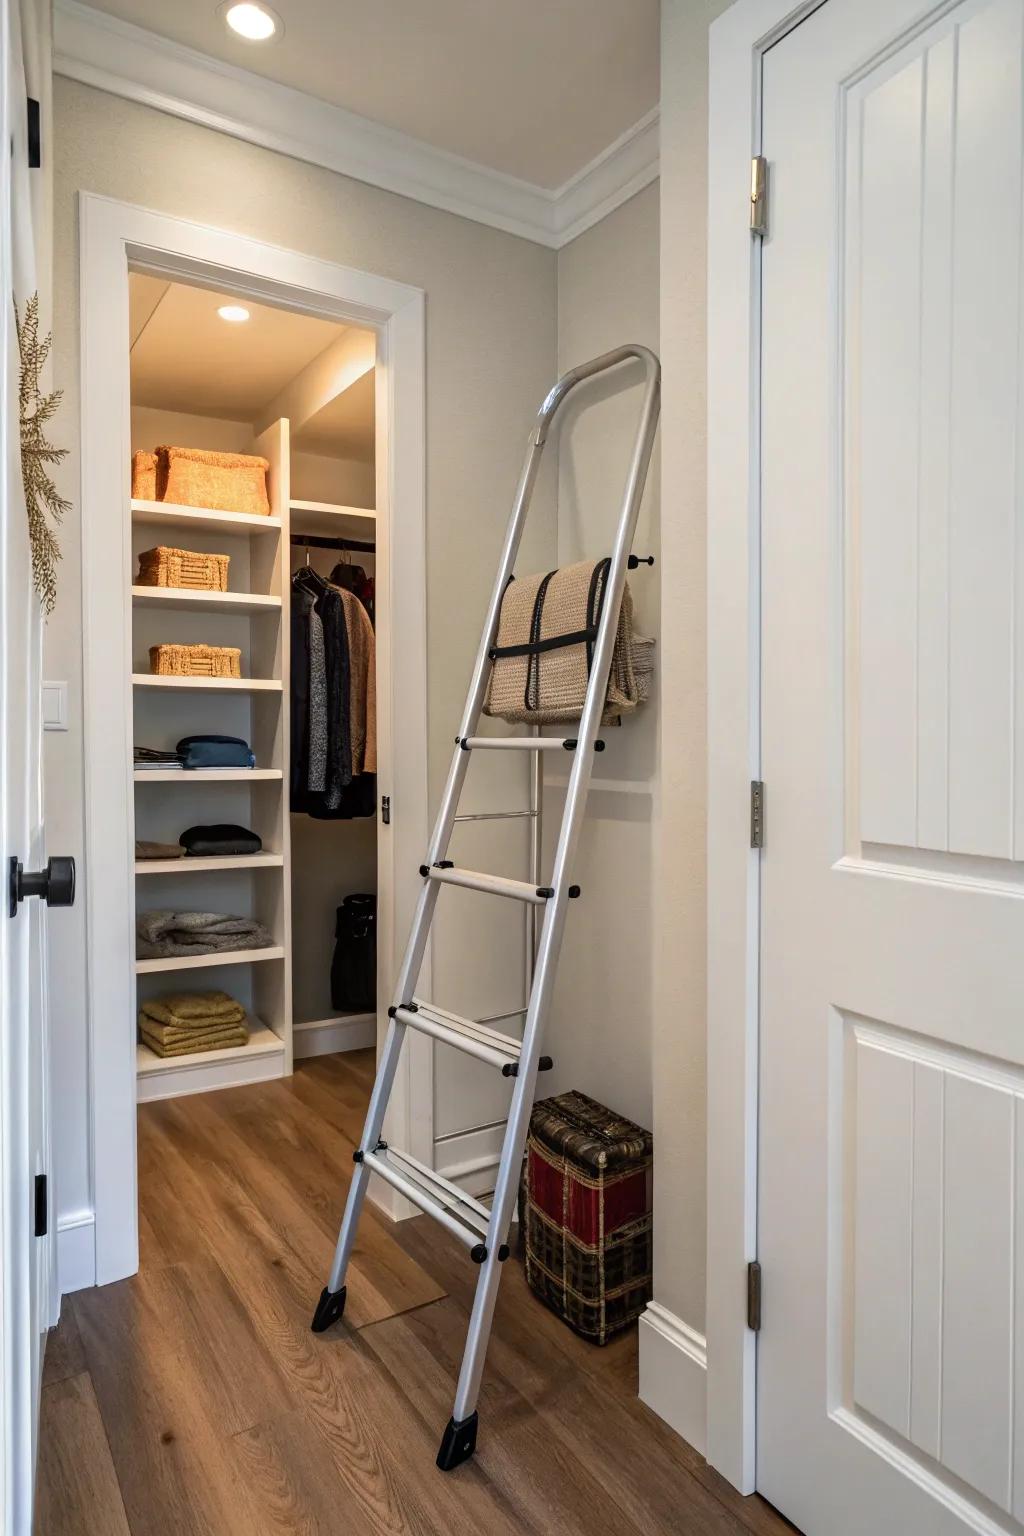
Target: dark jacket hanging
321, 782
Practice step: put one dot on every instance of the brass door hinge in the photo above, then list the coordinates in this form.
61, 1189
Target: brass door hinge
759, 195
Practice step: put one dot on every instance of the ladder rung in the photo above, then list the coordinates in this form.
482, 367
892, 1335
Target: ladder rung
450, 1206
494, 885
521, 744
467, 1035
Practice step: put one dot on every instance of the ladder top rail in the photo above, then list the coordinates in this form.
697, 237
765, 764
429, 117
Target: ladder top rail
632, 352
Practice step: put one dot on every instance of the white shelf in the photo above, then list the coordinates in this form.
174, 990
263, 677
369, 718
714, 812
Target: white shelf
217, 957
187, 865
208, 684
204, 602
161, 513
205, 775
262, 1042
323, 517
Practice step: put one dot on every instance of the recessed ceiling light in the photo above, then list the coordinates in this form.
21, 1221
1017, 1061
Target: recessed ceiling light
256, 23
236, 313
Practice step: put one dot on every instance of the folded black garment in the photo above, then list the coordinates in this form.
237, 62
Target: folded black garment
221, 838
215, 752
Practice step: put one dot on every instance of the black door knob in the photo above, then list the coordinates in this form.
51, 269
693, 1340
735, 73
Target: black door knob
55, 884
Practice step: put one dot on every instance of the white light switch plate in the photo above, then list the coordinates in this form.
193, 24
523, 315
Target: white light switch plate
55, 706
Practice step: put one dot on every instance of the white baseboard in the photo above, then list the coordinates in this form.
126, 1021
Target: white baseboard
76, 1251
323, 1037
673, 1373
470, 1159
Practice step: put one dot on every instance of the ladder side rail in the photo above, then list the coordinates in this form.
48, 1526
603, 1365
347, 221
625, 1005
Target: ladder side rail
506, 1184
413, 958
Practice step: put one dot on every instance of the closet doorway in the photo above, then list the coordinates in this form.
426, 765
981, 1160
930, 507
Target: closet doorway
307, 378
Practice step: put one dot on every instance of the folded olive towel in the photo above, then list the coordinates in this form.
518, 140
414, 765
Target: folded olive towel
167, 935
212, 1040
194, 1010
148, 850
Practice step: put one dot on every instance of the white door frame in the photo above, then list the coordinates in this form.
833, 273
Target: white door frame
112, 234
738, 41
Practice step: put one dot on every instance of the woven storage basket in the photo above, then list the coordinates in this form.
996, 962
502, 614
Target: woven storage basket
195, 660
221, 482
164, 567
586, 1214
144, 476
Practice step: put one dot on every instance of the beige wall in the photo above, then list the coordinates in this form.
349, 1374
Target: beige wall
680, 1205
601, 1030
491, 330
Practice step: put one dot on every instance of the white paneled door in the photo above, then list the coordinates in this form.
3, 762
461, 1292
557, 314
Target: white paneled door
891, 1198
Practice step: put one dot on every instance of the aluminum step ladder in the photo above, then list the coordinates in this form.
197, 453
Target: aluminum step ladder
485, 1232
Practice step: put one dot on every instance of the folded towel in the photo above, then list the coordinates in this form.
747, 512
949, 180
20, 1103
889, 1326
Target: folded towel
544, 649
216, 1040
222, 838
183, 1010
147, 850
192, 1026
166, 935
173, 1034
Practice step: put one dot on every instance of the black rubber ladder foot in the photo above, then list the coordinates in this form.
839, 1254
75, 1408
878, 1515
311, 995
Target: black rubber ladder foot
457, 1443
328, 1309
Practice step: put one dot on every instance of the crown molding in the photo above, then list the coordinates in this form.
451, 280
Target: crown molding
128, 61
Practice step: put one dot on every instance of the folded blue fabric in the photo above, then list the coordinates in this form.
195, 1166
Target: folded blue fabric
216, 752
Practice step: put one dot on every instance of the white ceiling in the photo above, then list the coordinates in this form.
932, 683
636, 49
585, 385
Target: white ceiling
184, 357
533, 88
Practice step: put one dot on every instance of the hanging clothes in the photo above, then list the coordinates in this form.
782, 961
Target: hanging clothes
325, 782
352, 578
362, 650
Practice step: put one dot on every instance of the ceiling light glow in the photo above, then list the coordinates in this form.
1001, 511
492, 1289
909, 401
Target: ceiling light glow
236, 313
256, 23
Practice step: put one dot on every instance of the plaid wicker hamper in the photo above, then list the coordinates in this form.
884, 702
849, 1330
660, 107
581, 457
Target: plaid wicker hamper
587, 1214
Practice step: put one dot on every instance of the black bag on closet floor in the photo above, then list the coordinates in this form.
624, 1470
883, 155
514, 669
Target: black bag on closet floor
354, 968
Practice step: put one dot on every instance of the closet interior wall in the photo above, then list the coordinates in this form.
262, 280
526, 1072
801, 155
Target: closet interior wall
199, 381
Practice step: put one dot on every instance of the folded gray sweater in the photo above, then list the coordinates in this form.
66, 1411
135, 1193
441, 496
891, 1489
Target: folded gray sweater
161, 935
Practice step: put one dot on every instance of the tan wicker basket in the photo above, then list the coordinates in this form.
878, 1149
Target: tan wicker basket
220, 482
144, 476
195, 660
165, 567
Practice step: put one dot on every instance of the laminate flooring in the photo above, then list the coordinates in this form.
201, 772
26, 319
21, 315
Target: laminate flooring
193, 1399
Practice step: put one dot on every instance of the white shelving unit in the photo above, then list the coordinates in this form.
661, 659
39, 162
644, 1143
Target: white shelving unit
253, 616
206, 775
191, 866
337, 522
204, 602
208, 684
207, 962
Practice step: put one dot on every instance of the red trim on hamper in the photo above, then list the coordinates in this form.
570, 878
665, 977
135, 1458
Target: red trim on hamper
567, 1201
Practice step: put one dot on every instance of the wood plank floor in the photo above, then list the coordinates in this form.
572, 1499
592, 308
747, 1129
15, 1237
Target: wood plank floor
193, 1400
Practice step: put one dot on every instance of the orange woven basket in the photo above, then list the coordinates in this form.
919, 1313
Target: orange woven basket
144, 476
167, 567
195, 660
220, 482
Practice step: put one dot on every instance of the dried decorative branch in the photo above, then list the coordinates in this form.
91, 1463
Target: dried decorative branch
35, 410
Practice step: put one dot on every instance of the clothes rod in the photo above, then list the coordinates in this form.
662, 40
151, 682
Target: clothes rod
314, 541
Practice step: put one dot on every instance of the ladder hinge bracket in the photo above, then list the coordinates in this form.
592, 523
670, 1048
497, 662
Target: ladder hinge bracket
756, 813
759, 195
754, 1296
